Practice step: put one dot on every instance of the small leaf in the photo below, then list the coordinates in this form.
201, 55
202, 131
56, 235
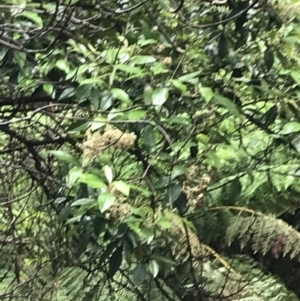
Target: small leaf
179, 85
20, 57
290, 127
115, 261
164, 222
83, 92
49, 89
137, 115
226, 102
189, 77
178, 171
105, 201
207, 93
122, 187
270, 115
64, 156
82, 202
130, 69
296, 76
158, 68
93, 80
108, 173
139, 273
269, 59
154, 268
74, 219
120, 94
92, 180
160, 96
147, 96
3, 52
174, 192
142, 59
64, 214
67, 93
62, 65
78, 126
83, 242
73, 175
146, 42
163, 259
33, 17
148, 137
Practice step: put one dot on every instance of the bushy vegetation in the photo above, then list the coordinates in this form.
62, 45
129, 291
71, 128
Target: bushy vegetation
150, 150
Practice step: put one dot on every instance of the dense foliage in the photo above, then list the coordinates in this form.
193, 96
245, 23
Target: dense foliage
149, 150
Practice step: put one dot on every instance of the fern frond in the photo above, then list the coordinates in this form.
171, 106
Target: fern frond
265, 233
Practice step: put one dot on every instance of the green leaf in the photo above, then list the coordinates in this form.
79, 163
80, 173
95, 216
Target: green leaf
49, 89
270, 115
67, 93
83, 92
163, 259
179, 85
147, 96
20, 57
105, 201
82, 202
120, 94
160, 96
227, 103
83, 242
93, 80
290, 127
188, 77
63, 65
64, 156
148, 137
146, 42
92, 180
158, 68
154, 268
78, 126
122, 187
130, 69
164, 222
178, 171
296, 76
3, 52
142, 59
174, 192
137, 115
33, 17
73, 176
108, 173
206, 92
75, 219
115, 261
64, 214
107, 100
269, 59
139, 273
